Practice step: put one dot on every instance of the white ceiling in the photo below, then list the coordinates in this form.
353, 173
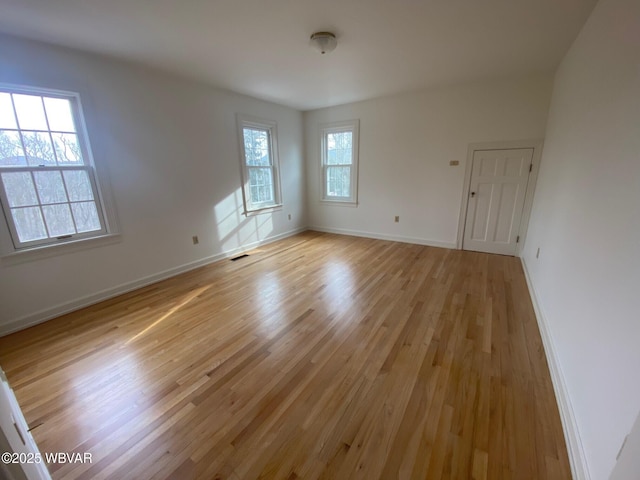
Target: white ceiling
260, 47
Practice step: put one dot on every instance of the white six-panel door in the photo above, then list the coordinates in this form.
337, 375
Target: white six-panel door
496, 197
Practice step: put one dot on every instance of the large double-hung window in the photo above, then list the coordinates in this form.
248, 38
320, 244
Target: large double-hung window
48, 187
259, 157
340, 162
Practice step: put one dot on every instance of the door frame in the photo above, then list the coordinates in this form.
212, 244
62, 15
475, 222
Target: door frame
537, 145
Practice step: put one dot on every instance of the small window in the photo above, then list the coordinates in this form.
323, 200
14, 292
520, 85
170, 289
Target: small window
48, 187
259, 157
340, 162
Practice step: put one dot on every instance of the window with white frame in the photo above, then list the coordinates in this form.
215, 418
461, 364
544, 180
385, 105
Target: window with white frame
340, 162
48, 187
259, 157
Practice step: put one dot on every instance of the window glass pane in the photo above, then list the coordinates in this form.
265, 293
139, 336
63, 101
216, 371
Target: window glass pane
344, 156
50, 187
86, 216
256, 147
67, 148
7, 117
11, 152
338, 181
59, 114
19, 189
339, 148
58, 218
261, 183
78, 185
38, 148
248, 137
29, 223
30, 112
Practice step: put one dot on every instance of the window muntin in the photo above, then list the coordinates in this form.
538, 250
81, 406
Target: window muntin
259, 164
339, 162
47, 183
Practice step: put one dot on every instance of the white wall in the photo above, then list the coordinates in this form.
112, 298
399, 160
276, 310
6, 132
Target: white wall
586, 221
406, 143
171, 150
628, 464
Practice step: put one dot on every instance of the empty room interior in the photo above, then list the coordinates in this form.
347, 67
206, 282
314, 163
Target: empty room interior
314, 240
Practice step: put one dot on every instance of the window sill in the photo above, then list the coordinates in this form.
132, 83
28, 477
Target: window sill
258, 211
339, 203
40, 252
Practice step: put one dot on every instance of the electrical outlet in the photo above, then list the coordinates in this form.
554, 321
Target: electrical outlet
538, 253
289, 216
195, 240
397, 219
454, 163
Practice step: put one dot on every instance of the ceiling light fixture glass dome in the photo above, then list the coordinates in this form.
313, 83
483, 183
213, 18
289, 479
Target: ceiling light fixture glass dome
324, 42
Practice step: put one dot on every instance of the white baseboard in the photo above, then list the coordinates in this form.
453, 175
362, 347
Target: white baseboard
380, 236
67, 307
577, 458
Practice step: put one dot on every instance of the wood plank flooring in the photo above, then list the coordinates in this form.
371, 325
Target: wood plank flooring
316, 357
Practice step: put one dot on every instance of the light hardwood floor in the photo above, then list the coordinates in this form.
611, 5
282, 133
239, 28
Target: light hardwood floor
319, 356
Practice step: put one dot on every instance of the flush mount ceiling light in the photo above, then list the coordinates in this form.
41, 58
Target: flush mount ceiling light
324, 42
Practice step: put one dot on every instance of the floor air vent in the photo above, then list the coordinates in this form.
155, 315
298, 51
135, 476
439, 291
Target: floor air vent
239, 257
